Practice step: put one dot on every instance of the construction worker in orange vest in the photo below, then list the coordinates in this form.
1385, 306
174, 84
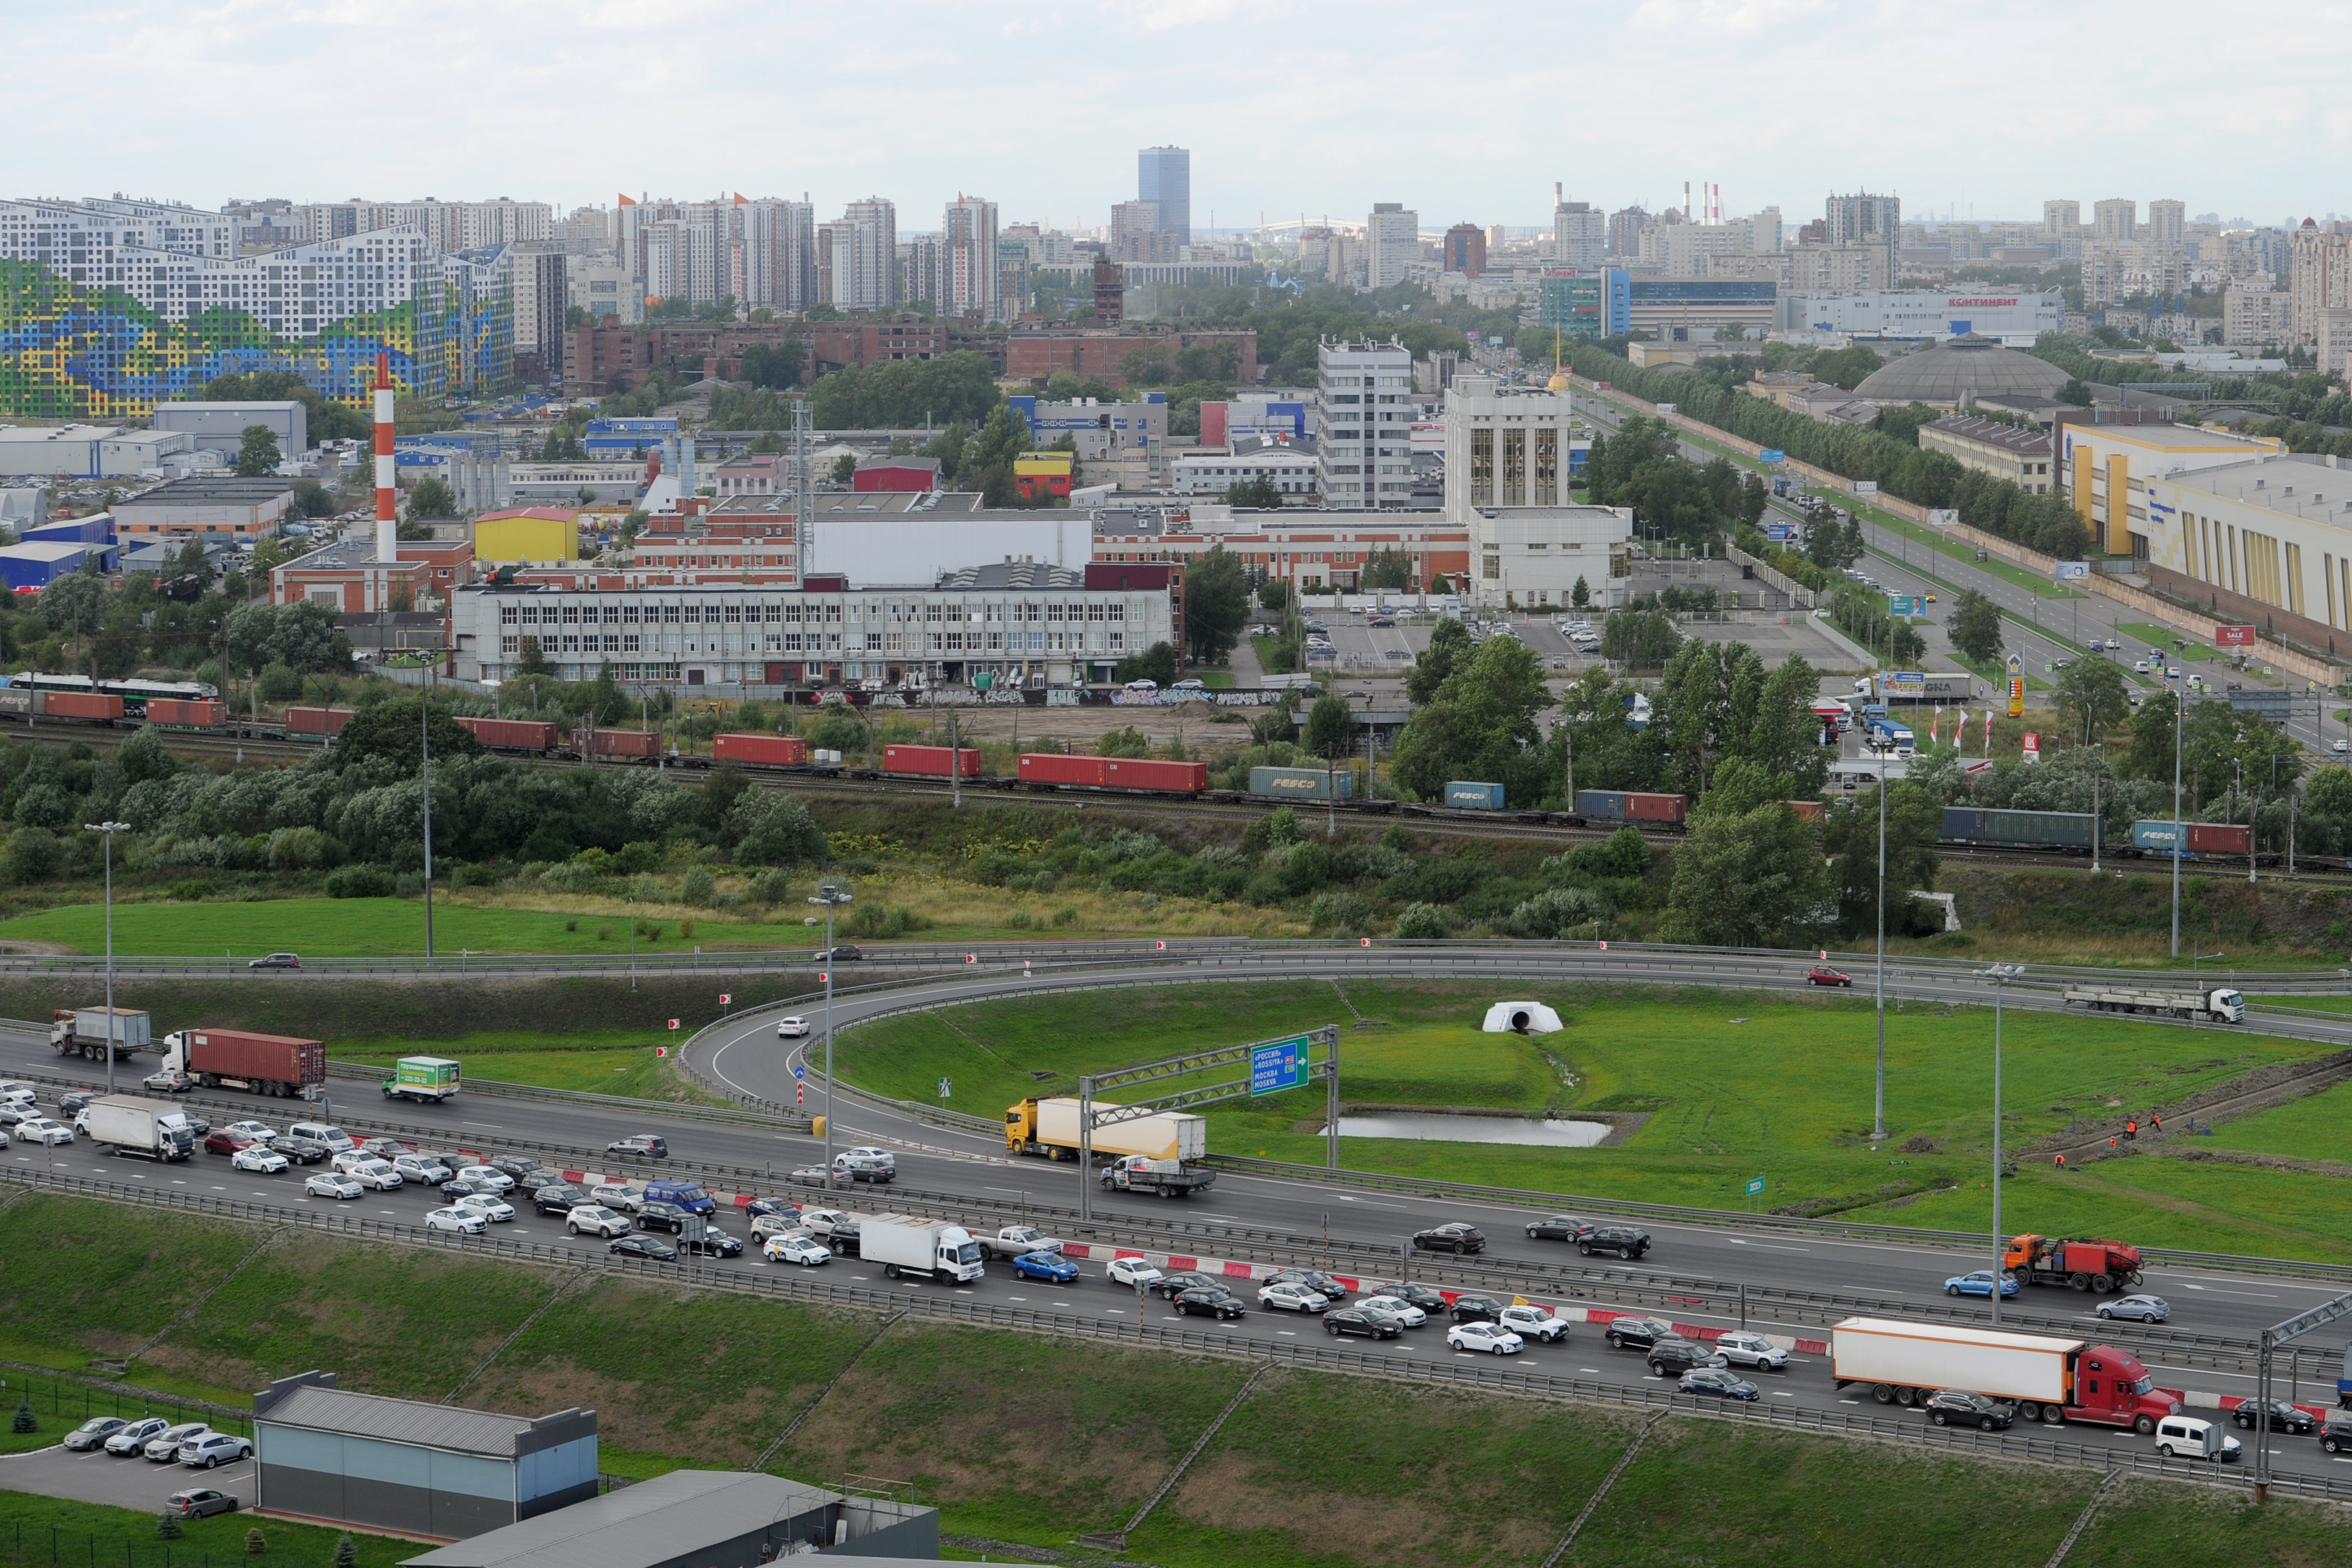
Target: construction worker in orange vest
2062, 1161
2156, 1121
2131, 1128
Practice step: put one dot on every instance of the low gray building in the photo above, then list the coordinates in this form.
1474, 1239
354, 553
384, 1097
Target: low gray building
221, 425
415, 1468
244, 510
704, 1519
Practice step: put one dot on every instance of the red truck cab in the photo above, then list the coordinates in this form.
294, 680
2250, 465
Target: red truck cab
2111, 1389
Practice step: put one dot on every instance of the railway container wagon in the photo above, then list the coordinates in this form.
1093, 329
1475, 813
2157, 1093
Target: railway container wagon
82, 705
1045, 770
1302, 784
1463, 795
2023, 829
317, 721
514, 734
931, 761
618, 742
2204, 837
1631, 805
1160, 777
184, 714
761, 751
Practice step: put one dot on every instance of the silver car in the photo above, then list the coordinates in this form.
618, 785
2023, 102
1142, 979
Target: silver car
213, 1449
1741, 1348
2139, 1309
135, 1437
166, 1447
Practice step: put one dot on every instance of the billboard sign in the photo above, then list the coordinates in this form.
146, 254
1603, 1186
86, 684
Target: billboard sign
1895, 680
2071, 571
1943, 517
1771, 454
1778, 533
2032, 747
1865, 486
2017, 697
1279, 1064
2233, 637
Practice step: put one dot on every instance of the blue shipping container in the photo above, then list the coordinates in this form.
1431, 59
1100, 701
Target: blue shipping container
1964, 822
1970, 825
1473, 796
1600, 804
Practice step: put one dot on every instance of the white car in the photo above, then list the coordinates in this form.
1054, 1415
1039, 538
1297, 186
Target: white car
1396, 1307
376, 1173
259, 1158
1491, 1338
15, 1093
595, 1219
136, 1437
424, 1170
1741, 1348
792, 1027
795, 1249
465, 1222
41, 1130
1291, 1299
1533, 1322
496, 1211
1130, 1272
491, 1174
1143, 685
332, 1184
821, 1220
213, 1449
254, 1131
165, 1447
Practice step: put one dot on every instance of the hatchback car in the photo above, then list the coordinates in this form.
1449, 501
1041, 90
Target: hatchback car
1315, 1279
1357, 1321
1205, 1303
1715, 1382
225, 1142
465, 1186
213, 1449
659, 1216
1554, 1227
1454, 1237
791, 1027
1962, 1407
848, 953
332, 1184
199, 1502
711, 1244
795, 1247
1822, 974
1980, 1283
1468, 1308
137, 1435
164, 1446
461, 1221
2140, 1308
651, 1248
260, 1159
1741, 1348
644, 1143
92, 1434
1291, 1299
1047, 1265
1175, 1282
167, 1083
1491, 1338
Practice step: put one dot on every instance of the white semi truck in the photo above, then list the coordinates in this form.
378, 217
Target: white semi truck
2222, 1004
2049, 1379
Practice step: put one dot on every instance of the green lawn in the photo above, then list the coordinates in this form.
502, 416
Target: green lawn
369, 928
2311, 1128
2148, 635
125, 1538
1217, 679
1737, 1084
601, 1061
2146, 1524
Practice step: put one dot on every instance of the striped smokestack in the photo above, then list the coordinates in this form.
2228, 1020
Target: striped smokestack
387, 521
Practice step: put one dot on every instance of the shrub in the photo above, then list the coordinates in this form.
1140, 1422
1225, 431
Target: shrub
570, 925
1340, 914
347, 1553
167, 1526
604, 933
1421, 922
1282, 827
280, 683
255, 1545
1557, 910
697, 886
34, 855
1018, 920
686, 927
25, 1420
359, 882
1066, 916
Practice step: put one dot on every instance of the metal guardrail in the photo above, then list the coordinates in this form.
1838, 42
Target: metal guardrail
924, 1302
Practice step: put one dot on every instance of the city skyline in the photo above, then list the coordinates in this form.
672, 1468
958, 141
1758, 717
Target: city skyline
1580, 98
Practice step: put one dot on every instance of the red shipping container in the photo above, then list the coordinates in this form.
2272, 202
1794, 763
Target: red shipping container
255, 1059
620, 742
83, 705
1645, 807
513, 734
929, 762
177, 710
1806, 810
1168, 778
1051, 768
317, 721
765, 751
2207, 837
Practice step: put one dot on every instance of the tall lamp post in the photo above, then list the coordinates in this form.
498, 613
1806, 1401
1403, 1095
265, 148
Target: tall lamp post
2000, 974
832, 895
1878, 1119
109, 829
424, 750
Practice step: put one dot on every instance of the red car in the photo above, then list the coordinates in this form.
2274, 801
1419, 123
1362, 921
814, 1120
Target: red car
226, 1143
1821, 975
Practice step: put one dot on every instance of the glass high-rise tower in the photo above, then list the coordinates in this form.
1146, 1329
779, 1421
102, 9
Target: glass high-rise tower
1163, 176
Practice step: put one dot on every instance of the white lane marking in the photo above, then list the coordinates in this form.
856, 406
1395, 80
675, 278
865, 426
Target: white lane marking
1771, 1247
493, 1126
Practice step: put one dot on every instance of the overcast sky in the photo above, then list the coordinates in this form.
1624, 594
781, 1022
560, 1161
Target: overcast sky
1289, 107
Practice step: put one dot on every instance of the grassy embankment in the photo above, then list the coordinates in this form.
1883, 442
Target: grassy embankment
1735, 1085
1023, 1440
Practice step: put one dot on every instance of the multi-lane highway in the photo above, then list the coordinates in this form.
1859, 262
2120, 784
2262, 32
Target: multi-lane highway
1693, 1274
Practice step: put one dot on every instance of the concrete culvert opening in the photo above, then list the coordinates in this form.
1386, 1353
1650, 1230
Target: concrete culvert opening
1521, 1018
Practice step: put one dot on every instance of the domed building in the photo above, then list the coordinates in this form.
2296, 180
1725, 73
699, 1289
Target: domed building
1951, 376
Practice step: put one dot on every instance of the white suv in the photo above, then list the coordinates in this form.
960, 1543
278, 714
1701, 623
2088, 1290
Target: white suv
203, 1453
1534, 1323
595, 1219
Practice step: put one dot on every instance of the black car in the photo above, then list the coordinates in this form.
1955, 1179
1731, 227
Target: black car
644, 1143
557, 1200
1556, 1228
847, 953
1636, 1333
1626, 1241
1669, 1357
1959, 1407
1718, 1384
659, 1216
301, 1151
1453, 1236
781, 1207
467, 1187
712, 1244
199, 1126
1202, 1303
644, 1246
1476, 1309
2285, 1417
842, 1241
1355, 1320
1420, 1296
515, 1165
1172, 1284
73, 1101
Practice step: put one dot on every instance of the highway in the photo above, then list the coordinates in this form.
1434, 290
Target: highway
1691, 1276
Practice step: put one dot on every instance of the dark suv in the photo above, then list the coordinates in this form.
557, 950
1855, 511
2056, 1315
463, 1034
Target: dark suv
1958, 1407
661, 1216
1477, 1310
1626, 1241
1455, 1237
1555, 1227
1675, 1356
1636, 1333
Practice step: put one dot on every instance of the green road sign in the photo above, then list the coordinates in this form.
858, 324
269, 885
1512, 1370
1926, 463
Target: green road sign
1755, 1187
1279, 1064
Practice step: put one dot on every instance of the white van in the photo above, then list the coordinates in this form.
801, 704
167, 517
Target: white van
326, 1132
2186, 1437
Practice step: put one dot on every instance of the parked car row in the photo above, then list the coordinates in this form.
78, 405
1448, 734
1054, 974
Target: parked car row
191, 1442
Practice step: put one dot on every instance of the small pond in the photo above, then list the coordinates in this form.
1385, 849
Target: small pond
1555, 1135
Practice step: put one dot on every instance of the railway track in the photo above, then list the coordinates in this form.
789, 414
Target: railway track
268, 748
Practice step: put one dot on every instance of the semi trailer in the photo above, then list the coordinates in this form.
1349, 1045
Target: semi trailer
2048, 1379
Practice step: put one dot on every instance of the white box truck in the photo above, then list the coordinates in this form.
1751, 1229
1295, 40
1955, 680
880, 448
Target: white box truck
1050, 1127
923, 1248
2053, 1380
148, 1128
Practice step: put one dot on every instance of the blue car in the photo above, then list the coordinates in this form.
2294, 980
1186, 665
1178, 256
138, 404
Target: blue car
1979, 1284
1044, 1266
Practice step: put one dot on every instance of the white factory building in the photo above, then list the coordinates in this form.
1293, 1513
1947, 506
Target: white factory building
1506, 473
2005, 315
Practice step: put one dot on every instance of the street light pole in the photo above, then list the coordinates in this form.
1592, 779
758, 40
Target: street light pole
1878, 1119
830, 894
2179, 722
109, 829
424, 744
2001, 973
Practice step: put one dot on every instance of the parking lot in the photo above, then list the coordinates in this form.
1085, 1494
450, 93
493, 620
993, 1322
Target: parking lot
101, 1477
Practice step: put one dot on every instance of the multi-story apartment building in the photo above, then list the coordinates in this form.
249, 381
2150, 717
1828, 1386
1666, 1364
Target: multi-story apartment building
2114, 221
1580, 234
778, 246
1464, 250
1363, 423
1868, 222
1391, 244
968, 259
2319, 275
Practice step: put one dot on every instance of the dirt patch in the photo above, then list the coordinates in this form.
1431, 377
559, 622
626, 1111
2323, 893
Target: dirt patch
2260, 1162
